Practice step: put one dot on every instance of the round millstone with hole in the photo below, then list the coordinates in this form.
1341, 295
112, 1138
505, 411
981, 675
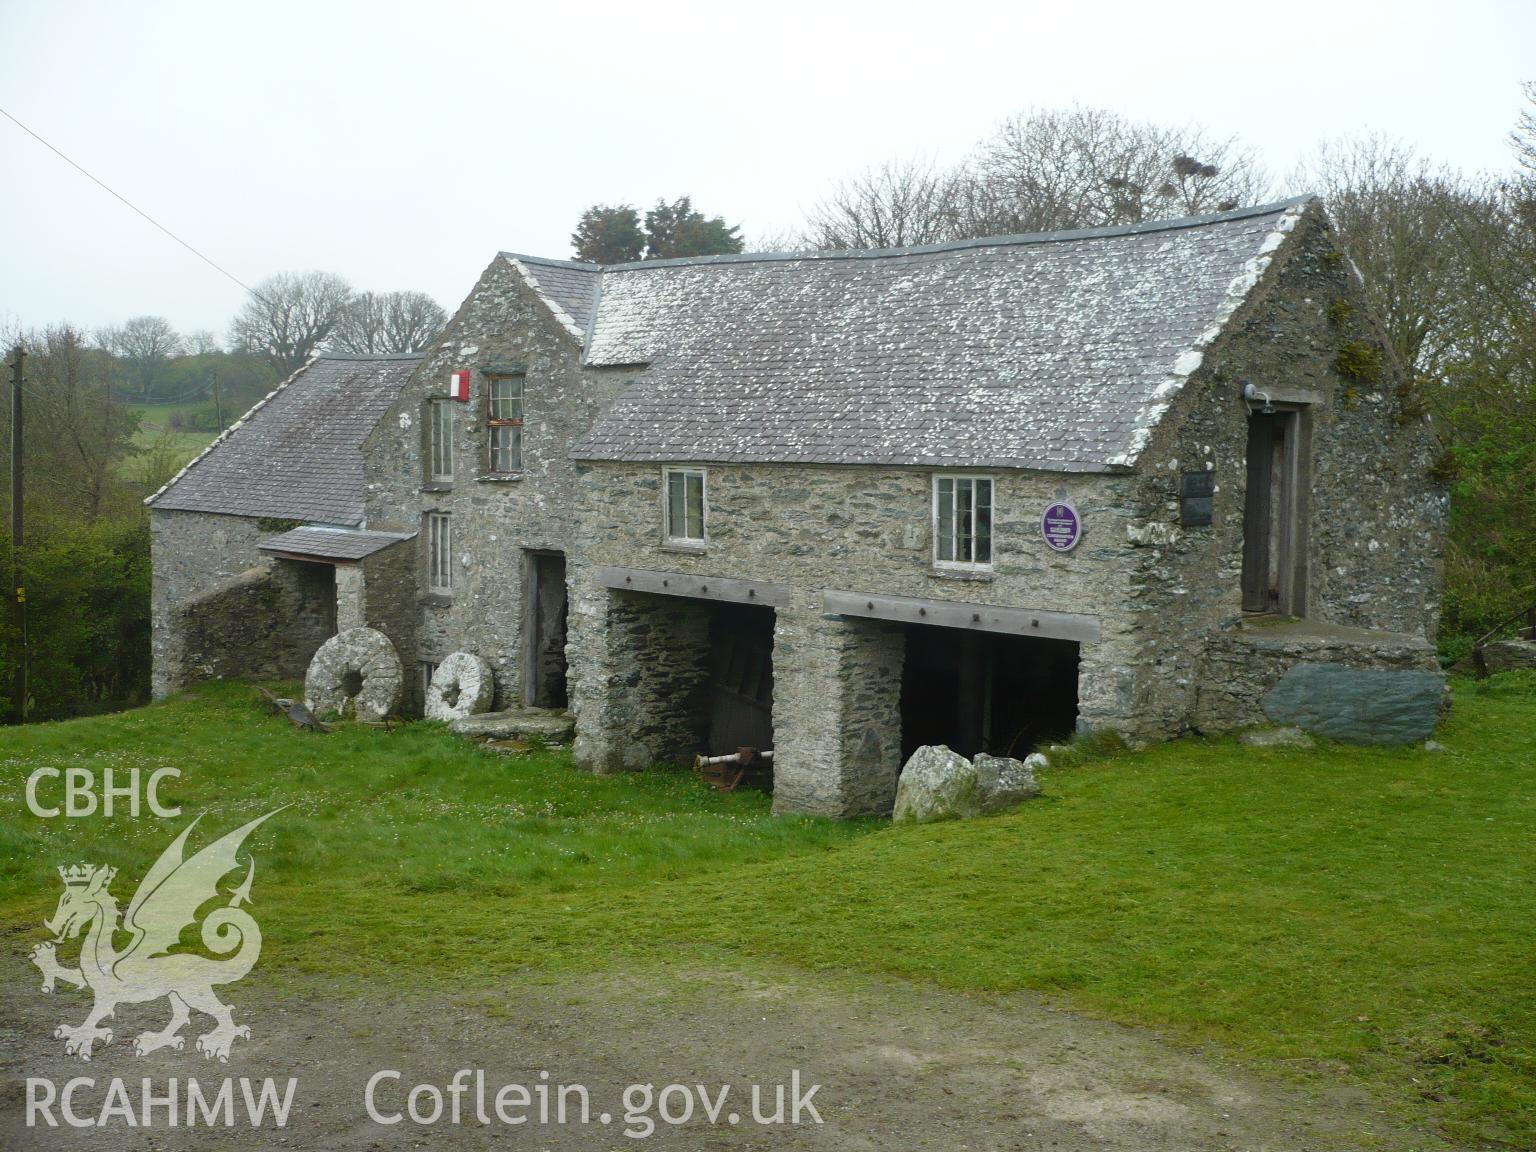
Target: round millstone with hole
356, 673
463, 685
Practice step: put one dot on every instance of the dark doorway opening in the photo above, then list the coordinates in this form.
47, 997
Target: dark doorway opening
544, 629
1274, 514
740, 678
986, 692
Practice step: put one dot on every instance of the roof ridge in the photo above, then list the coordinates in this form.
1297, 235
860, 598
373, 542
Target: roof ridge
557, 309
1007, 240
369, 355
552, 262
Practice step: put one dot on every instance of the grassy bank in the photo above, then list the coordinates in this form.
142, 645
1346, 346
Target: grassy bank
155, 434
1364, 914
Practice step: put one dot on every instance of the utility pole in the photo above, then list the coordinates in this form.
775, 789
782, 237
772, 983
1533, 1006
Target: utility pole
218, 407
18, 539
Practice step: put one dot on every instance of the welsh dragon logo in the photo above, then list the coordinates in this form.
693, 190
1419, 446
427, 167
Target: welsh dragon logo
167, 901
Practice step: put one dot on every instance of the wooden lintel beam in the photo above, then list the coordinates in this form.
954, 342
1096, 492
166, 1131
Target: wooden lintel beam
1078, 626
695, 587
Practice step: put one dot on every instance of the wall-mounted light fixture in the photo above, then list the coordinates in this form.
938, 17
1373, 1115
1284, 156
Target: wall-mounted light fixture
1250, 394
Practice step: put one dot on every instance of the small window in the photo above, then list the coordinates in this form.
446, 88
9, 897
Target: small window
440, 441
962, 521
428, 670
1195, 492
439, 552
504, 419
685, 505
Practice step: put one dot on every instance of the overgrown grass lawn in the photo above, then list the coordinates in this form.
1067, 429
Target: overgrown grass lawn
155, 433
1366, 914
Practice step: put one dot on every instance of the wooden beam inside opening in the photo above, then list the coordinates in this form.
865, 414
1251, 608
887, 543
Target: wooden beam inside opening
695, 587
1082, 627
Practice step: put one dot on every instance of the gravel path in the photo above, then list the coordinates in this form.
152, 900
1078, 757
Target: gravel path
899, 1067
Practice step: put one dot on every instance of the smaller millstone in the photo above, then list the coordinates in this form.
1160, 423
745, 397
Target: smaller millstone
463, 685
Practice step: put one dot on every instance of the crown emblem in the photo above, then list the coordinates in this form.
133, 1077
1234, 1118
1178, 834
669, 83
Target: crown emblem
76, 875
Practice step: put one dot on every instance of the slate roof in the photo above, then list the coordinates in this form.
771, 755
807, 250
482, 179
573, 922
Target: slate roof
332, 543
298, 453
1057, 351
568, 287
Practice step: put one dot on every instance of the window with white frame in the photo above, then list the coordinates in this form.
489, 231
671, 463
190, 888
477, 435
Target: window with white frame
962, 521
685, 505
504, 423
439, 552
440, 441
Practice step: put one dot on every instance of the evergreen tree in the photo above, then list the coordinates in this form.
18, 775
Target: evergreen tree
608, 235
674, 230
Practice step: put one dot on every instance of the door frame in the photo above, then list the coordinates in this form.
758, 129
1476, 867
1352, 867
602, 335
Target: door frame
530, 622
1278, 485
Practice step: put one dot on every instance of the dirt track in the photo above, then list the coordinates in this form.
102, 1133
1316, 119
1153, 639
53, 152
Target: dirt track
900, 1067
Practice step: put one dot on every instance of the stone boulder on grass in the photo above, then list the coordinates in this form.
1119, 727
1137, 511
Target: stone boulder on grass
1005, 782
940, 784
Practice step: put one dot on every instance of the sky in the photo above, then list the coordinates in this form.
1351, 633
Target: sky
403, 144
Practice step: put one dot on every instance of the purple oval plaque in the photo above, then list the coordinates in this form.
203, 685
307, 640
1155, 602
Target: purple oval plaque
1061, 527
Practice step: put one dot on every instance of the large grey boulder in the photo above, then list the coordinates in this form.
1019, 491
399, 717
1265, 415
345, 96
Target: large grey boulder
936, 784
463, 685
1005, 782
1358, 705
1506, 656
940, 784
355, 672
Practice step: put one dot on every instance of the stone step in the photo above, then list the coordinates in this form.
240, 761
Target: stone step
549, 724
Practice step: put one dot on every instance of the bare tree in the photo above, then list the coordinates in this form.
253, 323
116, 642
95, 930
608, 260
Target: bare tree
1079, 167
145, 344
777, 240
202, 343
289, 317
1043, 171
383, 322
1393, 212
76, 433
899, 203
1523, 138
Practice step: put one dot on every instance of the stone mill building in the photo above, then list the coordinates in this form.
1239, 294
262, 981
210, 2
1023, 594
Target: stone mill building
1154, 479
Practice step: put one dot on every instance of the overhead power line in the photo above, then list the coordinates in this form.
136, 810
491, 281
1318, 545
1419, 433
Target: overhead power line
112, 191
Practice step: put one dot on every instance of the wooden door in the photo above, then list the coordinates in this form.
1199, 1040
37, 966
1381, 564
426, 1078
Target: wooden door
1270, 513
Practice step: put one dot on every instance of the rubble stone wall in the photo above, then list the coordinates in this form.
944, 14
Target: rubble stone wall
495, 519
221, 608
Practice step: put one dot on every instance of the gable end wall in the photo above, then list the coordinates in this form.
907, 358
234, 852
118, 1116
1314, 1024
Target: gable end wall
495, 521
1376, 517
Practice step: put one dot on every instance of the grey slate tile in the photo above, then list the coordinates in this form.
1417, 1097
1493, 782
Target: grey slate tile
298, 454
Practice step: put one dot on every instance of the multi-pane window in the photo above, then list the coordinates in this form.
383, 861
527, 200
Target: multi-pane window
439, 552
962, 521
685, 505
504, 420
440, 440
